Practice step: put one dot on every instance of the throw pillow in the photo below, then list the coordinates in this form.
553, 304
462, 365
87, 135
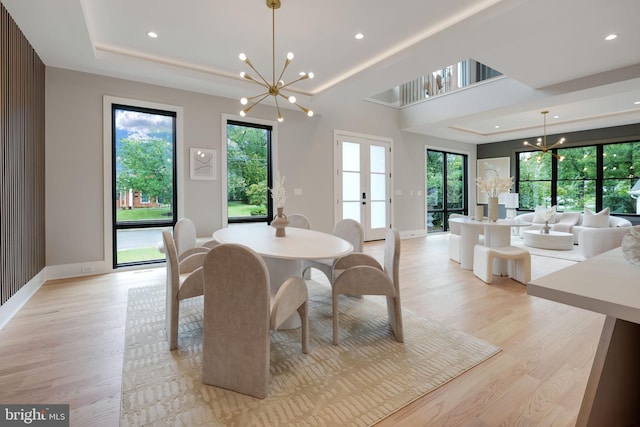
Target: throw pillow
596, 220
567, 220
542, 214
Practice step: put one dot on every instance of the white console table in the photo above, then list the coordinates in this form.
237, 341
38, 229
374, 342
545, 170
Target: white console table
606, 284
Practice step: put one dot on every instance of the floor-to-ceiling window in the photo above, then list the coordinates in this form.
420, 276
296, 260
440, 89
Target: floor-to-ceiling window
593, 176
143, 182
446, 188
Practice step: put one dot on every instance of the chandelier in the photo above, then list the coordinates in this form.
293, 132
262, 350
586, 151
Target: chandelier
274, 87
542, 142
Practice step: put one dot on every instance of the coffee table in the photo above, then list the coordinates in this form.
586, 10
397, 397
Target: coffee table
555, 240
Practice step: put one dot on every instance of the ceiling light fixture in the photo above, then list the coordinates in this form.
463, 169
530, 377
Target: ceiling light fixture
542, 142
152, 34
276, 85
611, 37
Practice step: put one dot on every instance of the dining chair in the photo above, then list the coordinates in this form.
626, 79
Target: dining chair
455, 234
184, 280
347, 229
299, 221
361, 274
240, 308
184, 234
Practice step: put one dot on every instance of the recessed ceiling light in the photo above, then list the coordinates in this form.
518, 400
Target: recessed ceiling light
556, 117
611, 37
152, 35
359, 36
497, 126
637, 103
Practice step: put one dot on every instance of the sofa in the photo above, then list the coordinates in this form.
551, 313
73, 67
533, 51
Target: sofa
594, 233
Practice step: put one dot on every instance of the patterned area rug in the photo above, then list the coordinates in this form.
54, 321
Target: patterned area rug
367, 377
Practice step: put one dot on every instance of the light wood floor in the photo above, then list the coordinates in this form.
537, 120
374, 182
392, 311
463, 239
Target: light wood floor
66, 344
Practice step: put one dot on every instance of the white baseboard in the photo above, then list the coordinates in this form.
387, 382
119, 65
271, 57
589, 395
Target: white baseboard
20, 298
65, 271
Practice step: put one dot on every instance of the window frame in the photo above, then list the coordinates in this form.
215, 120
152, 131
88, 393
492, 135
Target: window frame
255, 122
108, 229
599, 180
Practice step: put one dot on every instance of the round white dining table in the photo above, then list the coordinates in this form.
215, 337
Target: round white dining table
496, 234
283, 255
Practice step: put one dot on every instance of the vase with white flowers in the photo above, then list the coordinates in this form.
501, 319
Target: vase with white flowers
278, 195
494, 187
547, 216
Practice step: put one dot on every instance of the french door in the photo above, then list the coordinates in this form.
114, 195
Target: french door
363, 182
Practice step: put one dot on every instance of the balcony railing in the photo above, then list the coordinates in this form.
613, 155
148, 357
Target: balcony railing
446, 80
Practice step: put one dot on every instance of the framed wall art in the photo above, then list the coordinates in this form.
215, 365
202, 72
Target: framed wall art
203, 164
491, 168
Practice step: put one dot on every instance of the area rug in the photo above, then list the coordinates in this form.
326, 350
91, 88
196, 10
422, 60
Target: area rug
364, 379
571, 255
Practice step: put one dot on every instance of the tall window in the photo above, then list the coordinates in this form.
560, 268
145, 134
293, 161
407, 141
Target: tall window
249, 172
620, 174
534, 180
596, 176
446, 188
577, 175
143, 182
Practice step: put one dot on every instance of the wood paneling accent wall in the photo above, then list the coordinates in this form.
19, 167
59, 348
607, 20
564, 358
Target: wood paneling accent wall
22, 127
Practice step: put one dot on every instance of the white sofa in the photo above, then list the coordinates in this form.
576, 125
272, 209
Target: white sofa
591, 240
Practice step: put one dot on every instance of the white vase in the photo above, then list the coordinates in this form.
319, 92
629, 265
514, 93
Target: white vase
493, 209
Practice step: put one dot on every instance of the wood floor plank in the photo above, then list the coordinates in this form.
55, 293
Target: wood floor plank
66, 344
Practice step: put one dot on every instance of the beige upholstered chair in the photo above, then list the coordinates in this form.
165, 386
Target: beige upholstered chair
347, 229
239, 311
299, 221
184, 234
361, 274
184, 280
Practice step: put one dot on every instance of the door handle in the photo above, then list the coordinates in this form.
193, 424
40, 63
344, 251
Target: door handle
364, 197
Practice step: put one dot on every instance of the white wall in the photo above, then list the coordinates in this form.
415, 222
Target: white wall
74, 159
